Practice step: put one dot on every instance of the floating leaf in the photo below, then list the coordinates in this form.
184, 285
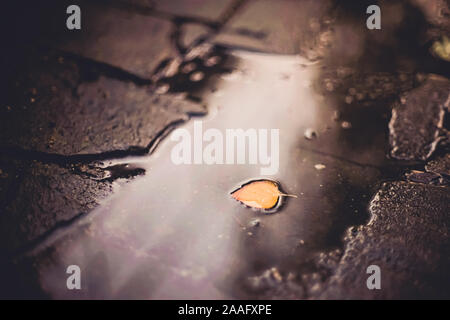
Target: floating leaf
261, 194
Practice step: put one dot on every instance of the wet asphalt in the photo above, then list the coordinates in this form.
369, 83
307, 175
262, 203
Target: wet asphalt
86, 175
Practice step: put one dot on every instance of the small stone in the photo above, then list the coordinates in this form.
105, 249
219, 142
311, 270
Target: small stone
188, 67
346, 125
254, 223
276, 274
172, 68
162, 89
197, 76
212, 61
319, 166
310, 134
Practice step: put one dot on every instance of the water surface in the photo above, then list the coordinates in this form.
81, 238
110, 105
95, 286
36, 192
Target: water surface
175, 232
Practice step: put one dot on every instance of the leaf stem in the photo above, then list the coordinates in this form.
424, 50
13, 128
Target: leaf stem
288, 195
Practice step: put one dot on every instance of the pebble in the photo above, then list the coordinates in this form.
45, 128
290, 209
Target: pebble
164, 88
319, 166
310, 134
212, 61
346, 125
188, 67
197, 76
254, 223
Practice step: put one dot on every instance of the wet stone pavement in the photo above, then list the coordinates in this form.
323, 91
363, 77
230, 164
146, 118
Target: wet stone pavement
86, 176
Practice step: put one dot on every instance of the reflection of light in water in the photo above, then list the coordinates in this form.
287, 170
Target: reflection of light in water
173, 233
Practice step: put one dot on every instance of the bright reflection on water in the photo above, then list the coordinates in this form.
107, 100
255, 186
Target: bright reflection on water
176, 233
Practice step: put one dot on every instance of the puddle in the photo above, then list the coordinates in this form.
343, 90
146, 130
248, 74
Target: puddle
176, 233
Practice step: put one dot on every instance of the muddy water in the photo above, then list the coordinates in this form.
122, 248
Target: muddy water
175, 232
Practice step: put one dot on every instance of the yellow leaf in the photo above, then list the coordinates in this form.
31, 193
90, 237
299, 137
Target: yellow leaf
442, 48
261, 194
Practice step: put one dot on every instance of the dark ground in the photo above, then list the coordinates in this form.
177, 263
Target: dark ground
72, 100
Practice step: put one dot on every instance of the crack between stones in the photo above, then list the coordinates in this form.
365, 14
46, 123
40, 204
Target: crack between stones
65, 160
